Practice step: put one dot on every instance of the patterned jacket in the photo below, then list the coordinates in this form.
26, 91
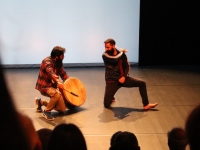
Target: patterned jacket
116, 66
47, 71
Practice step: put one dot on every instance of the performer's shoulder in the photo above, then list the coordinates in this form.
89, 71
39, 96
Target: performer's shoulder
47, 59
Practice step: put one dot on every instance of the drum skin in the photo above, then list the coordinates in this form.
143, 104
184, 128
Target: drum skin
75, 86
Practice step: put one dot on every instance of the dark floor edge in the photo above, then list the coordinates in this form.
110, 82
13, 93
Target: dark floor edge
66, 65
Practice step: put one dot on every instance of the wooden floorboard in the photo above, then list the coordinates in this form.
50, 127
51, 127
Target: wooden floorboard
175, 88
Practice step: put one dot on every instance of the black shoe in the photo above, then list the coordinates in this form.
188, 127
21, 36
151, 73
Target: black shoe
47, 115
38, 104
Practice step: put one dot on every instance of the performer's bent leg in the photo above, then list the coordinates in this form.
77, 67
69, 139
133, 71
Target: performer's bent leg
56, 101
110, 90
44, 102
135, 82
60, 106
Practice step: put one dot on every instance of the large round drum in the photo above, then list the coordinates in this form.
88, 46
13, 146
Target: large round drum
74, 92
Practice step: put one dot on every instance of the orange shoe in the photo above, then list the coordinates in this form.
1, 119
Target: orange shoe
149, 106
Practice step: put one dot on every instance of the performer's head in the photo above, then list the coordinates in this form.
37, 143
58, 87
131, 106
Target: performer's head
57, 54
110, 46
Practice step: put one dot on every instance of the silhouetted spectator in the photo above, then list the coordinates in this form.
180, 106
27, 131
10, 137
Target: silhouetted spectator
66, 136
177, 139
16, 130
124, 141
44, 135
112, 140
192, 128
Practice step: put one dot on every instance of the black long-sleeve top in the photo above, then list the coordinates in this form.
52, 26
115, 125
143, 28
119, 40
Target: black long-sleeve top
116, 66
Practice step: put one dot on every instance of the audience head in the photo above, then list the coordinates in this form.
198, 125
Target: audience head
12, 136
112, 140
16, 129
124, 140
192, 128
30, 132
177, 139
44, 135
66, 136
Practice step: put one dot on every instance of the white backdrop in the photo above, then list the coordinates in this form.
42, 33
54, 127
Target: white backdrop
29, 29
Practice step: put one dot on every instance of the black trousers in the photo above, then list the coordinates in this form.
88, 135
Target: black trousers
111, 89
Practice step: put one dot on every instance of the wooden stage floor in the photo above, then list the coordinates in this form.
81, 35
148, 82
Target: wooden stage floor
175, 88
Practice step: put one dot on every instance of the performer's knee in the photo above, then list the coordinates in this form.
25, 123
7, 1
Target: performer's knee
52, 92
143, 83
57, 95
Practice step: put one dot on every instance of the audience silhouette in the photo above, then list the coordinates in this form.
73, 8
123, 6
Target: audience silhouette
124, 141
177, 139
192, 128
44, 135
16, 130
66, 136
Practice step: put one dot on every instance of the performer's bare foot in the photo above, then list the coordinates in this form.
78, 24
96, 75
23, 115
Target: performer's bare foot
149, 106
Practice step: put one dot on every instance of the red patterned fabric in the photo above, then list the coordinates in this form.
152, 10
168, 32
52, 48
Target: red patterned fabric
47, 71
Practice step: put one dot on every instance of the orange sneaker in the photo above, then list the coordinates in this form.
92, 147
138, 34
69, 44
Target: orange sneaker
149, 106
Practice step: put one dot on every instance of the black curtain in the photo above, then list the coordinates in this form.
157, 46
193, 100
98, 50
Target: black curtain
169, 33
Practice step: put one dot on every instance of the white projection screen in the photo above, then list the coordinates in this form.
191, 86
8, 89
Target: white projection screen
29, 29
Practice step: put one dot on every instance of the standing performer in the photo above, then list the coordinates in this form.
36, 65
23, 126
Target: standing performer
117, 75
49, 85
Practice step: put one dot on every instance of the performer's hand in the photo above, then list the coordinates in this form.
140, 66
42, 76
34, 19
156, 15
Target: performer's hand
60, 86
122, 79
124, 50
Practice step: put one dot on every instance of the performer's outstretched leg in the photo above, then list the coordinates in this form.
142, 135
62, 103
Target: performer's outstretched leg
135, 82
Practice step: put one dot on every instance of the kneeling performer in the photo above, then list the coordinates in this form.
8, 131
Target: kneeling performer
49, 85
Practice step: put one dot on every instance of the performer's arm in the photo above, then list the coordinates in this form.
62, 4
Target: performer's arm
126, 65
111, 59
53, 76
63, 74
124, 68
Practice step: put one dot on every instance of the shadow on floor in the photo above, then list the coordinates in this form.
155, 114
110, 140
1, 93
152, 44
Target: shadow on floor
122, 113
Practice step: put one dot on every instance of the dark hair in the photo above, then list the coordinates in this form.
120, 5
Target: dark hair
123, 145
67, 136
111, 41
113, 138
192, 128
57, 51
177, 139
44, 135
121, 139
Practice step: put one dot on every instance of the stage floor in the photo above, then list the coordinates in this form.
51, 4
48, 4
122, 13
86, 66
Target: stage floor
175, 88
